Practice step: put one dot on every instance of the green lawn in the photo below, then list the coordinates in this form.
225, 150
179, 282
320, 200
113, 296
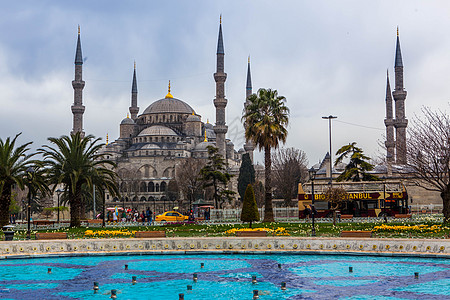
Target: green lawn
293, 229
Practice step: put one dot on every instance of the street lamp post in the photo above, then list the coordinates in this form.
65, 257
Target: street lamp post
312, 176
329, 118
58, 192
30, 174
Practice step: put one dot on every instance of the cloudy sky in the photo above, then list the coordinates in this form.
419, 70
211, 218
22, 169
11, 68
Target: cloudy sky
325, 57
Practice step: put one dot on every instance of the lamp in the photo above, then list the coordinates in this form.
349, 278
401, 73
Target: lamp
329, 118
30, 174
58, 192
312, 176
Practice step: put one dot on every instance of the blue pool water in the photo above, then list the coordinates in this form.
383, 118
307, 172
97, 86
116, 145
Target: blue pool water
226, 277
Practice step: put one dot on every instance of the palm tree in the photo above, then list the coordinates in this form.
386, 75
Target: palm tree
357, 169
75, 162
14, 161
265, 121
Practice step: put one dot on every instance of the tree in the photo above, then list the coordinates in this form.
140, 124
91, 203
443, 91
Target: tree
74, 162
428, 154
246, 175
337, 197
172, 190
357, 168
265, 121
214, 175
249, 208
187, 176
14, 161
289, 169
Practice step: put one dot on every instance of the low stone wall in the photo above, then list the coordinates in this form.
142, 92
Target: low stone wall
371, 246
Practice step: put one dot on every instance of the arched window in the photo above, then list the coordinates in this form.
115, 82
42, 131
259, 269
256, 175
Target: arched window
142, 199
143, 187
163, 187
151, 187
123, 187
135, 198
157, 187
155, 174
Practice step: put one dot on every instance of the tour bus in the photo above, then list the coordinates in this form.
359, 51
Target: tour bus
363, 199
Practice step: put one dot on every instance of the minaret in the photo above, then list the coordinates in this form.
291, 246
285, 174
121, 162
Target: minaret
220, 102
134, 109
389, 123
248, 146
78, 85
400, 122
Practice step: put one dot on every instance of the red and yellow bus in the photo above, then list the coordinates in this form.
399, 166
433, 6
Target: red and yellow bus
364, 199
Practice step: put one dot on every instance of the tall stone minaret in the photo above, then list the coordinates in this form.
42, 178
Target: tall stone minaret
400, 122
389, 123
134, 109
249, 145
220, 102
78, 86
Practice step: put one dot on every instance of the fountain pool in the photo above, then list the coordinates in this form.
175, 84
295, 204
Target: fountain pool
227, 276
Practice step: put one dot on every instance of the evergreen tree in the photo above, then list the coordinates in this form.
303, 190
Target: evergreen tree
246, 175
358, 167
249, 208
215, 175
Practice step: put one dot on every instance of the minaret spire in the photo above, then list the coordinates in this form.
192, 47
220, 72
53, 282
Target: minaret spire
134, 109
400, 122
389, 123
78, 86
220, 102
248, 146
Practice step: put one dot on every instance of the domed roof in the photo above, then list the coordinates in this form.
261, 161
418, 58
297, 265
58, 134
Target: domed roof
157, 130
202, 146
193, 118
127, 121
209, 125
168, 105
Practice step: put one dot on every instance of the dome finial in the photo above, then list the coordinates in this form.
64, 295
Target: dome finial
220, 20
78, 29
207, 121
128, 115
397, 30
106, 138
249, 58
135, 65
206, 138
169, 95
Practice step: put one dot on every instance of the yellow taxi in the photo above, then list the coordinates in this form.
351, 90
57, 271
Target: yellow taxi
171, 216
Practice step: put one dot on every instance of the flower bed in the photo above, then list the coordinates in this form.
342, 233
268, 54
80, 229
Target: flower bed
409, 228
109, 233
279, 231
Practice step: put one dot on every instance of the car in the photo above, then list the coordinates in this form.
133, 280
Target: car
171, 216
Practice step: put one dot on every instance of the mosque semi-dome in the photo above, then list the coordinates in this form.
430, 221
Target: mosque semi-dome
157, 130
168, 105
193, 118
127, 121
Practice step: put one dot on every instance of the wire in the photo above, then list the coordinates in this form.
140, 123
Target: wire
353, 124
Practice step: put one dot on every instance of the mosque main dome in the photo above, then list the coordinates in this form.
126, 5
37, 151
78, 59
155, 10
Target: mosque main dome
168, 105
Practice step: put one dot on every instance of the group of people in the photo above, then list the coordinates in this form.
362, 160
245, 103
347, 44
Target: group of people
129, 215
309, 211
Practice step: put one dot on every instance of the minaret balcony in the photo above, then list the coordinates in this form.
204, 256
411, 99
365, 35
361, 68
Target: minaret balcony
220, 102
220, 129
220, 77
400, 123
389, 122
399, 95
78, 109
78, 84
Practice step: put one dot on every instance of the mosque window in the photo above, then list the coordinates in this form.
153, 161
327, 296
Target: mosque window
143, 187
155, 174
157, 187
142, 199
151, 187
150, 139
146, 152
126, 199
163, 186
146, 169
164, 118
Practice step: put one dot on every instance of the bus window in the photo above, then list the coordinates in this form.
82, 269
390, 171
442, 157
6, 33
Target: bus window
371, 204
321, 204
